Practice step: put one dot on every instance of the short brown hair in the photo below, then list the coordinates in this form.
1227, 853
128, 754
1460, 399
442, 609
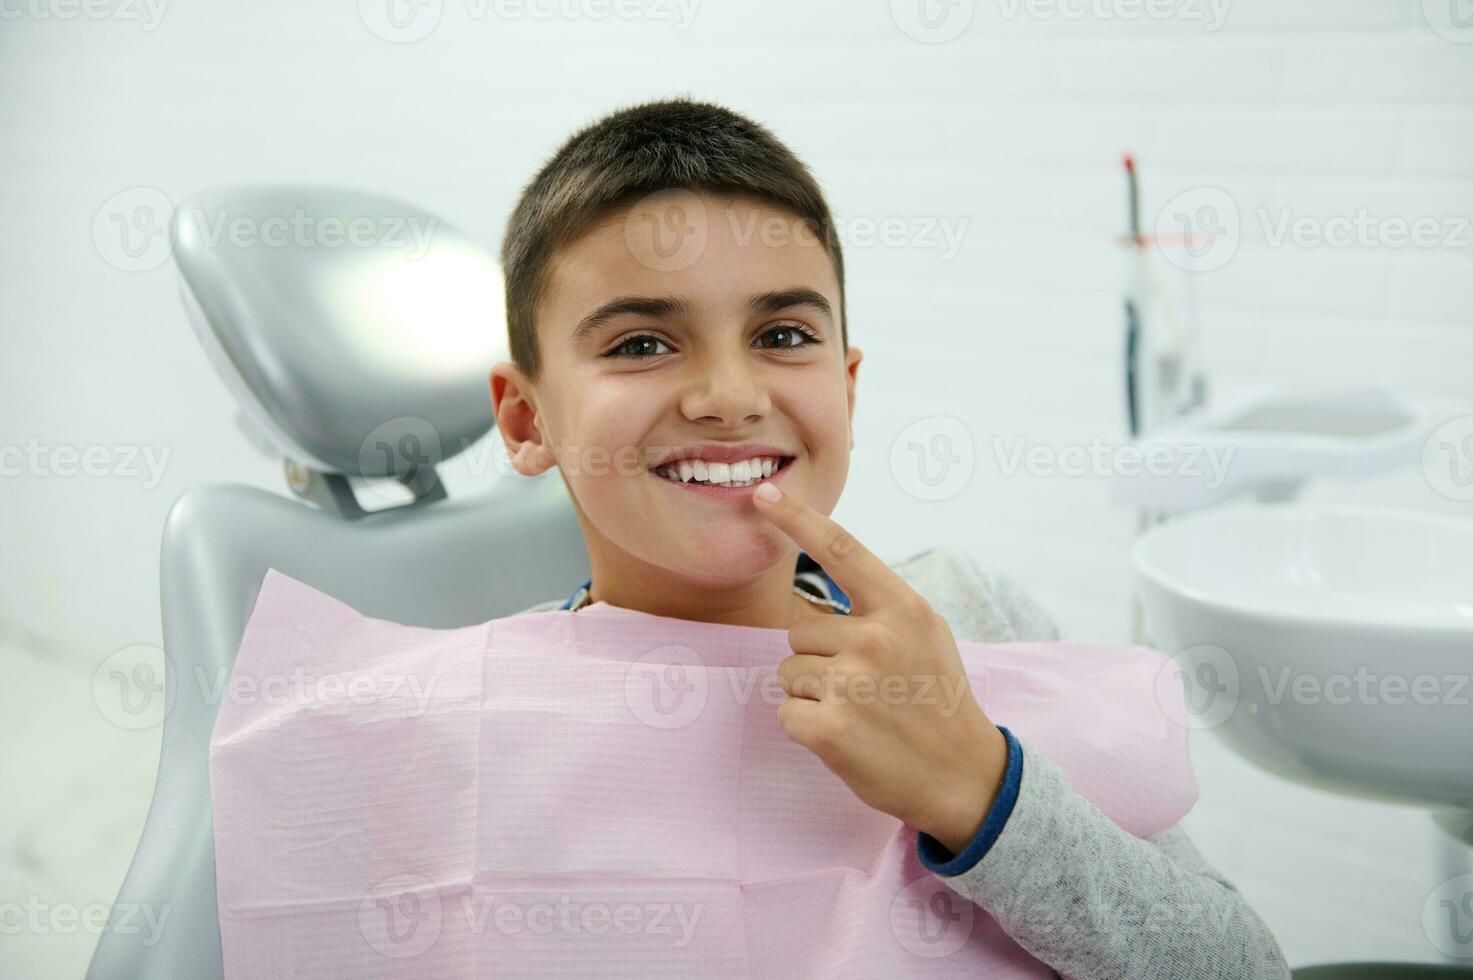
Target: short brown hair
635, 151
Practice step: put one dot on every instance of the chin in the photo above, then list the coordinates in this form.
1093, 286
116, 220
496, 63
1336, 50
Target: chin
731, 556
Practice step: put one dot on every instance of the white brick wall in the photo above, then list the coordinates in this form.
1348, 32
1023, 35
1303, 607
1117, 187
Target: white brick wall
1315, 107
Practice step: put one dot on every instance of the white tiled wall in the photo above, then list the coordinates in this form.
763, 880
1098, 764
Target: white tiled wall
1016, 127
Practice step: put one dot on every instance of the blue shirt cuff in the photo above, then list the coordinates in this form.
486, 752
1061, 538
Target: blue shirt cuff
935, 856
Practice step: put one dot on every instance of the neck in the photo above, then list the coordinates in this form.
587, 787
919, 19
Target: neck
767, 601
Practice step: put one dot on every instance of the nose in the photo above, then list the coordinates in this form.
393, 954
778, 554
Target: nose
726, 389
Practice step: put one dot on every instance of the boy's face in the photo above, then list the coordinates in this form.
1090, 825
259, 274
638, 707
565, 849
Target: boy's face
726, 336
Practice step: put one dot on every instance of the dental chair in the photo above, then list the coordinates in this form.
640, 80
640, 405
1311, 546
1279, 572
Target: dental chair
353, 362
350, 362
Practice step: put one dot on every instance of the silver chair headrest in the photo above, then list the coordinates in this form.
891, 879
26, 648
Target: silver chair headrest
355, 331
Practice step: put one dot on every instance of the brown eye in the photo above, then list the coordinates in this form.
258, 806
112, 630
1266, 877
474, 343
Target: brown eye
637, 346
792, 335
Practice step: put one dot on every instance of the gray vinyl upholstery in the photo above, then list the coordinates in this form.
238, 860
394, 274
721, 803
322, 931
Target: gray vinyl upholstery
447, 563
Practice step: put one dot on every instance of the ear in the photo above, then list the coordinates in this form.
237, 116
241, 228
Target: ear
513, 401
851, 378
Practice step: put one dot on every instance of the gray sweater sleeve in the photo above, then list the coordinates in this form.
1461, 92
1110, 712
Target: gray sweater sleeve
1062, 879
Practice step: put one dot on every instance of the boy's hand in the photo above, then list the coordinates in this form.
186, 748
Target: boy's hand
881, 695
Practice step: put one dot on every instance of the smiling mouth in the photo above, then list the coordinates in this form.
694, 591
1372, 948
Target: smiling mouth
745, 473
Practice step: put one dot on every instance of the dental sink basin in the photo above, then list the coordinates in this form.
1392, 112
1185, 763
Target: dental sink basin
1265, 443
1329, 645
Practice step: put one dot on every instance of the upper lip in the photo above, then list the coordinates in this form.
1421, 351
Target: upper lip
717, 452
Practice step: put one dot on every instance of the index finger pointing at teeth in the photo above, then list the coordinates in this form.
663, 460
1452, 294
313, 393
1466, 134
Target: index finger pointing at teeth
869, 582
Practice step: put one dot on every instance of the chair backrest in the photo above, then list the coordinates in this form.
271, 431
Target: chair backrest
437, 563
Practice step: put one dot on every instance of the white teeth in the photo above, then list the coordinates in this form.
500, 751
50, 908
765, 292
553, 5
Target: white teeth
742, 473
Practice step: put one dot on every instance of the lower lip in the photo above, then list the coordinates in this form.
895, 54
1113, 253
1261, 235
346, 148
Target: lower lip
711, 490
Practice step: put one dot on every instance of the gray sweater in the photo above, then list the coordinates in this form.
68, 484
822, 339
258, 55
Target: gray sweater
1067, 884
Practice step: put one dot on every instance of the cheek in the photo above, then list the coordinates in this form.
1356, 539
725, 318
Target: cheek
605, 438
822, 416
821, 412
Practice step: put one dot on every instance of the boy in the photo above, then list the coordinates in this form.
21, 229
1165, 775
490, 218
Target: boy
675, 306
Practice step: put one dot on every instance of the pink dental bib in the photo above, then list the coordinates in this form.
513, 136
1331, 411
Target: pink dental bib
608, 792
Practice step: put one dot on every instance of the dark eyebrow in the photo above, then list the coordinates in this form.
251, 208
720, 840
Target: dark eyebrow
653, 307
787, 299
658, 307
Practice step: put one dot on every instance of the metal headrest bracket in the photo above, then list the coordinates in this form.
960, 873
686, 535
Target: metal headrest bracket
334, 493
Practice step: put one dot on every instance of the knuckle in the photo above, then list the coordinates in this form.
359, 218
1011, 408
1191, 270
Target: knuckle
785, 717
828, 730
874, 641
806, 630
916, 606
841, 544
